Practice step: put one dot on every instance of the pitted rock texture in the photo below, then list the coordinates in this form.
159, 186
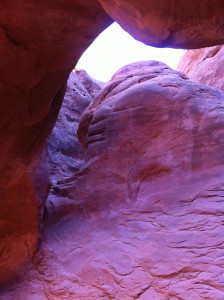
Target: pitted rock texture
66, 155
185, 24
144, 218
93, 86
41, 41
204, 65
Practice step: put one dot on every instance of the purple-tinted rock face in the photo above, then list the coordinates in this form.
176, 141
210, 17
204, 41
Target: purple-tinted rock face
66, 156
143, 218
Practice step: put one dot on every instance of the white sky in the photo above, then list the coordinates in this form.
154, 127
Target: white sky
115, 48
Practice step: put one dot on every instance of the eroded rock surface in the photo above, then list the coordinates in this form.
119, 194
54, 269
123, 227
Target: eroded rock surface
171, 23
204, 65
40, 44
66, 156
144, 218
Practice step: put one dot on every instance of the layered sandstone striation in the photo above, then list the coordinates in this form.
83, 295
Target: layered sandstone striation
171, 23
144, 217
204, 65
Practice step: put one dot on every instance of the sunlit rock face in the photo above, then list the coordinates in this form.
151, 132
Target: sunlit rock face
40, 44
66, 155
171, 23
144, 218
204, 65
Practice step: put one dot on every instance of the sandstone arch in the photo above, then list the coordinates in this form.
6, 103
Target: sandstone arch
40, 44
173, 23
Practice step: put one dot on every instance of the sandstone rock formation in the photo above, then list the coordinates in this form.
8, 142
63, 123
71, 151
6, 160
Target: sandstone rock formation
204, 65
40, 44
66, 155
144, 218
171, 23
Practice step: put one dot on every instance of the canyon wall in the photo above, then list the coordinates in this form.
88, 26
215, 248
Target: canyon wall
65, 154
40, 44
204, 65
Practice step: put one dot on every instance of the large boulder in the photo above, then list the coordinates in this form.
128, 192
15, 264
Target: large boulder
40, 44
170, 23
144, 218
204, 65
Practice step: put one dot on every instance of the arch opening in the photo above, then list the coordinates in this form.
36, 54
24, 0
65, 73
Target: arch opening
115, 48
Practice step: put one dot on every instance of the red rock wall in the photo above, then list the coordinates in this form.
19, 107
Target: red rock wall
204, 65
40, 44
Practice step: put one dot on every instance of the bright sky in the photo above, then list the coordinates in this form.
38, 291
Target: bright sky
115, 48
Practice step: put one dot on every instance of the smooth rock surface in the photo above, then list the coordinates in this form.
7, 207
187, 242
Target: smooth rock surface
41, 41
204, 65
185, 24
144, 218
